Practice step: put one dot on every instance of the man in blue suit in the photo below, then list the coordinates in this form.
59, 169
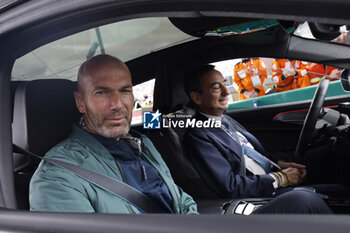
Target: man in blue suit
230, 160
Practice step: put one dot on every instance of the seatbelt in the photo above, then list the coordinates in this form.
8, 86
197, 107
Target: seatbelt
116, 187
227, 128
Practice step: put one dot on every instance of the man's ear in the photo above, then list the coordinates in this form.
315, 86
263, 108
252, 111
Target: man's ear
79, 102
196, 97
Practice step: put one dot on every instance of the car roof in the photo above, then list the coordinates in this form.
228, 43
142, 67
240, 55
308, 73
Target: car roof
41, 22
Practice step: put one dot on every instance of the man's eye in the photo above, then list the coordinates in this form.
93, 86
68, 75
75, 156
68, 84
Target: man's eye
100, 92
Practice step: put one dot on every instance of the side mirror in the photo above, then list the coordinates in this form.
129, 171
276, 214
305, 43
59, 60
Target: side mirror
345, 79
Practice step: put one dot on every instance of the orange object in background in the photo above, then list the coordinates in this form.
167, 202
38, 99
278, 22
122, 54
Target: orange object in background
289, 74
302, 79
282, 83
317, 71
249, 75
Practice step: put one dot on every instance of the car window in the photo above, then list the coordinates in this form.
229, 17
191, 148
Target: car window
143, 94
259, 81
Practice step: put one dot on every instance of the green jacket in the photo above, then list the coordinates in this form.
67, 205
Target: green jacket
55, 189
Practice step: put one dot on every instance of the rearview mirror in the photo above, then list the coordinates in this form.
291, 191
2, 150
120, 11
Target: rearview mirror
345, 79
323, 31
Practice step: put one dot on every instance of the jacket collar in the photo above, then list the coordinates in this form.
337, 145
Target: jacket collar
89, 141
219, 135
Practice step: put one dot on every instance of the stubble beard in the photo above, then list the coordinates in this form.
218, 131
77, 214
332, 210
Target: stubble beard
96, 123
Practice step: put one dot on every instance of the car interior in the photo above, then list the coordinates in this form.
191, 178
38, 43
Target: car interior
44, 110
43, 43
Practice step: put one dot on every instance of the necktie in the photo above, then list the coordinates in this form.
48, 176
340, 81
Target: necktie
257, 157
225, 126
251, 153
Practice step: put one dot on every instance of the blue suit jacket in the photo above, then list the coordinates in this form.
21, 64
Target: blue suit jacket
217, 158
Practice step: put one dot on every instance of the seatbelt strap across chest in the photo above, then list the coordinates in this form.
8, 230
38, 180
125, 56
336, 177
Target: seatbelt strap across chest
116, 187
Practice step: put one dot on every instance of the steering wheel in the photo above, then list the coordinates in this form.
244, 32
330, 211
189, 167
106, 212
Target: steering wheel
311, 118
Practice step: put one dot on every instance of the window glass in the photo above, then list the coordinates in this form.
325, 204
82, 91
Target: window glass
143, 94
126, 40
259, 81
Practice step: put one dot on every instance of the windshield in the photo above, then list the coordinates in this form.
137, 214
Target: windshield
127, 40
262, 81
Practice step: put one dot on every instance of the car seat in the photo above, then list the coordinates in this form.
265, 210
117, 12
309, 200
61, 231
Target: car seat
43, 113
169, 97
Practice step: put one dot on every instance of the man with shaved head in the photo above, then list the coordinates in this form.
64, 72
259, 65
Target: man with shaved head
104, 112
102, 142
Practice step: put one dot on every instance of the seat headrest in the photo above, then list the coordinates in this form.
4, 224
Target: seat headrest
186, 111
44, 111
169, 94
